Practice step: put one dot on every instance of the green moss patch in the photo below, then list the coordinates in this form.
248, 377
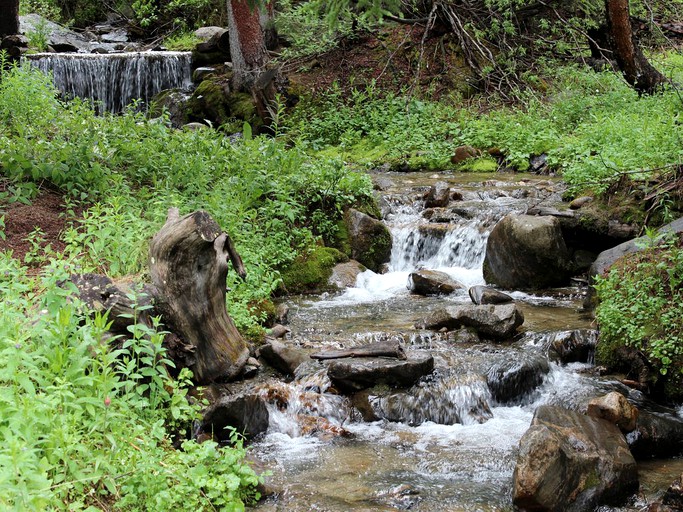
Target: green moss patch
310, 271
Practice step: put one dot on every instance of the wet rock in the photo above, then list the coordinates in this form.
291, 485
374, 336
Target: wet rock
614, 408
246, 413
370, 239
513, 379
538, 164
344, 274
673, 497
526, 252
487, 295
432, 282
656, 435
438, 195
580, 202
281, 357
278, 331
358, 373
571, 462
574, 346
493, 321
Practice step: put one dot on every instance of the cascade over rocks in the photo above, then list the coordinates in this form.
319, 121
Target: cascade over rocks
370, 239
526, 252
571, 462
492, 321
432, 282
512, 380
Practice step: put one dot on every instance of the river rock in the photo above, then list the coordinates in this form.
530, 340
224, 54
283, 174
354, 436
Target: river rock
281, 357
359, 373
487, 295
614, 408
432, 282
493, 321
438, 195
344, 275
657, 434
571, 462
576, 346
245, 412
580, 202
673, 497
513, 379
370, 239
526, 252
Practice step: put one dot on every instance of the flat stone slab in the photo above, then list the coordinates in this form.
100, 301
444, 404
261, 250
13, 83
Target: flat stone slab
354, 374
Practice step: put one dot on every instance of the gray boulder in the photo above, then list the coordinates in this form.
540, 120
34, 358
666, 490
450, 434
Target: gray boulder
344, 274
281, 357
59, 38
363, 372
438, 195
370, 239
571, 462
432, 282
487, 295
657, 434
492, 321
526, 252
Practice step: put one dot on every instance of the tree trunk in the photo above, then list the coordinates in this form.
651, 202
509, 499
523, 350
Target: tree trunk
249, 54
188, 266
637, 71
9, 17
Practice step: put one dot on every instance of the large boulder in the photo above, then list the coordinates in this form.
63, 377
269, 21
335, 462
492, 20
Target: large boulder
513, 379
571, 462
362, 372
492, 321
527, 252
657, 434
432, 282
370, 239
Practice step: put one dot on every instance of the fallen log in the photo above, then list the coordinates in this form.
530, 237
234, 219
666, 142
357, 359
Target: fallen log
388, 348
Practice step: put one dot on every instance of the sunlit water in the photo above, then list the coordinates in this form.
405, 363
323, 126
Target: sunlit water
453, 447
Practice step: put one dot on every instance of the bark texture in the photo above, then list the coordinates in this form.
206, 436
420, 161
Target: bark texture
637, 70
188, 267
9, 17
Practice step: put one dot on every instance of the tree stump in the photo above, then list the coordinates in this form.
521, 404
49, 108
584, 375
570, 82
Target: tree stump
188, 267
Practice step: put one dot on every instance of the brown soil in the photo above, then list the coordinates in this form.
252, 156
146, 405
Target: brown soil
46, 214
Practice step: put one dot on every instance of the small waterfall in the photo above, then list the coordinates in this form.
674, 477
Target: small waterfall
114, 81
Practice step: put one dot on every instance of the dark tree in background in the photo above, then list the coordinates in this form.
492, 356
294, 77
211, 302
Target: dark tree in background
9, 17
637, 70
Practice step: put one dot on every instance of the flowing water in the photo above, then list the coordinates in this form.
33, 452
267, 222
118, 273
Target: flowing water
446, 444
113, 81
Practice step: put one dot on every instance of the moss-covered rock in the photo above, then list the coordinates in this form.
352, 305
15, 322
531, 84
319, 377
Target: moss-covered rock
310, 272
482, 164
213, 100
370, 239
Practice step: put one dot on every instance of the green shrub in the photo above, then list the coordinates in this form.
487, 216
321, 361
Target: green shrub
640, 306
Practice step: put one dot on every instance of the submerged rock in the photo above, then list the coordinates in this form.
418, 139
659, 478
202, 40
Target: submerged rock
525, 252
362, 372
571, 462
432, 282
492, 321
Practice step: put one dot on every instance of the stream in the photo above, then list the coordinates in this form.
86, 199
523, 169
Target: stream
451, 446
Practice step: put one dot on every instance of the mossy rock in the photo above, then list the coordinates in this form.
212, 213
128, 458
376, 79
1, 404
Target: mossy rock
482, 164
370, 239
340, 240
209, 101
310, 271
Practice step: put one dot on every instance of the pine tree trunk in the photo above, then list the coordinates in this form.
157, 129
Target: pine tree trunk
9, 17
637, 71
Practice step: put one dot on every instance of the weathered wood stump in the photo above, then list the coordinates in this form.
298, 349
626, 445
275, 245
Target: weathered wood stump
188, 266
